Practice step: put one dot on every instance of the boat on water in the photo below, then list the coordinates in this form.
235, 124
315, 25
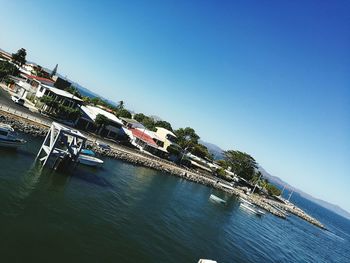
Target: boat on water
207, 261
9, 138
251, 208
245, 201
217, 199
88, 157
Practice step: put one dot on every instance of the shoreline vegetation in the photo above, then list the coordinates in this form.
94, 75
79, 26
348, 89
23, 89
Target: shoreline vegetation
36, 128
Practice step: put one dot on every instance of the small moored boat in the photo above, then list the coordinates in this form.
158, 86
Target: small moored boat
252, 209
207, 261
88, 158
8, 137
217, 199
245, 201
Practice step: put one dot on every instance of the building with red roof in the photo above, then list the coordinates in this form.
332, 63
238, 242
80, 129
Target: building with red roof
45, 81
145, 140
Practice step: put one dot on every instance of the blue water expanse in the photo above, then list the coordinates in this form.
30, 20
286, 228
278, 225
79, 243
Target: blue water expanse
127, 213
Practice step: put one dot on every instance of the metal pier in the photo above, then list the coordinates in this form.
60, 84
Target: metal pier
61, 147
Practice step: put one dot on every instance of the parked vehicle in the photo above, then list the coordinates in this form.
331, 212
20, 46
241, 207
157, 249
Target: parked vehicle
103, 146
17, 100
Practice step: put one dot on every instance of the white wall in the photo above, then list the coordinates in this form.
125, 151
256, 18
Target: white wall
40, 91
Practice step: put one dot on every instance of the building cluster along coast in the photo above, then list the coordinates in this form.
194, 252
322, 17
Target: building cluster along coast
113, 131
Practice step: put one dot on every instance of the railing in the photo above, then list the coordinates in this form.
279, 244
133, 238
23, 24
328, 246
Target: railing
25, 115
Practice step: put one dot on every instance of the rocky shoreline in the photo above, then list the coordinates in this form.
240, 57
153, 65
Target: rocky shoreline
23, 125
136, 158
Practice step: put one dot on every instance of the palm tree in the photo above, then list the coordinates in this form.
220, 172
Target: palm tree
101, 121
120, 105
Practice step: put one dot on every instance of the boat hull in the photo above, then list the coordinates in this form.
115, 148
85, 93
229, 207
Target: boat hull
251, 209
90, 161
217, 199
11, 143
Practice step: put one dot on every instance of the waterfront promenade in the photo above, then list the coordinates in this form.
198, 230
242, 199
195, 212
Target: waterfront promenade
34, 124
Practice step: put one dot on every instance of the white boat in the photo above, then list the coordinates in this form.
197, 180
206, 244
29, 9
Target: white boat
217, 199
8, 137
88, 158
207, 261
245, 201
252, 209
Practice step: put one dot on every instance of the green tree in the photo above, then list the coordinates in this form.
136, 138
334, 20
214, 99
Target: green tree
7, 69
147, 121
273, 190
174, 149
120, 105
124, 113
241, 163
101, 121
86, 99
139, 117
186, 137
223, 163
164, 124
96, 101
73, 90
59, 110
201, 151
20, 57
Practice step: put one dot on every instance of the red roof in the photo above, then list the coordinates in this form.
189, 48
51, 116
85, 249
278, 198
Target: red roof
39, 78
144, 137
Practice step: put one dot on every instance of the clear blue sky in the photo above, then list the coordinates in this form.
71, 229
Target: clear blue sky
267, 77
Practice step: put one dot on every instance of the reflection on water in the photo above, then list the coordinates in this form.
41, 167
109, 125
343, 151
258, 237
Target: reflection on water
126, 213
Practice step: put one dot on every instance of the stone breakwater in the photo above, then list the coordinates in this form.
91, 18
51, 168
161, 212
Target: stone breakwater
23, 125
134, 157
291, 208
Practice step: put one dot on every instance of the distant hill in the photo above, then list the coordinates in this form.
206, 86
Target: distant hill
86, 92
279, 182
213, 149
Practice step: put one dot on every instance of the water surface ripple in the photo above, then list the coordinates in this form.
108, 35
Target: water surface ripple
125, 213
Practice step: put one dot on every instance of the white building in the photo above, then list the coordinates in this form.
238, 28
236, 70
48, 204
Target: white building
166, 137
62, 105
87, 122
22, 88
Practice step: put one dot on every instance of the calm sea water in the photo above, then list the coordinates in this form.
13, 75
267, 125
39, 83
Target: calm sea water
124, 213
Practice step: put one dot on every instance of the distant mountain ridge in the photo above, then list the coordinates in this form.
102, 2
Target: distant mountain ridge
86, 92
215, 150
279, 182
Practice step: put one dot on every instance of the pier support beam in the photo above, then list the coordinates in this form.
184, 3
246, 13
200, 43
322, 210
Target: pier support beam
61, 142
